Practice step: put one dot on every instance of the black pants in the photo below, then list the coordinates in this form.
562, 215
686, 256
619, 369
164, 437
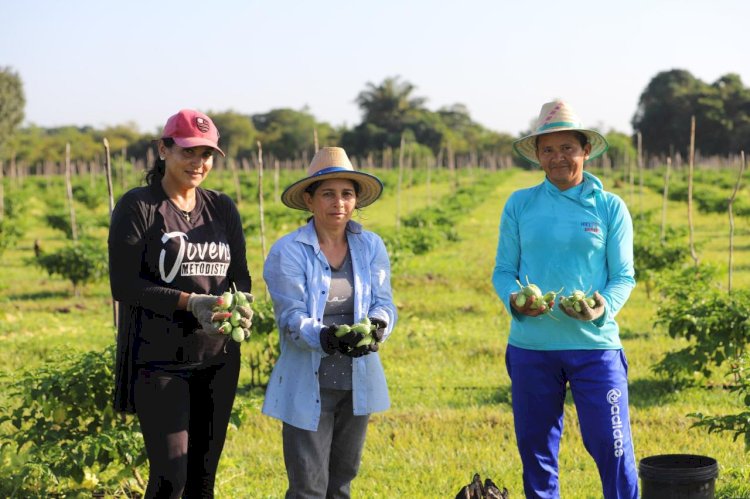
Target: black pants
184, 417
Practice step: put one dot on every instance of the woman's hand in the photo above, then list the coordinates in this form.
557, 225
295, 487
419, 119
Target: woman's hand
201, 306
587, 313
526, 309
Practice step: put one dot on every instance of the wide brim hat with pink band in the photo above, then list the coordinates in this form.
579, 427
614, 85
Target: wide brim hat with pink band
333, 163
557, 116
190, 128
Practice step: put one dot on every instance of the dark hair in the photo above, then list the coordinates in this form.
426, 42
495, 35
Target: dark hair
156, 173
314, 186
582, 139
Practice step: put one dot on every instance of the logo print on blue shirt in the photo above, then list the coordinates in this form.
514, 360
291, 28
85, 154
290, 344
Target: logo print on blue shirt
590, 227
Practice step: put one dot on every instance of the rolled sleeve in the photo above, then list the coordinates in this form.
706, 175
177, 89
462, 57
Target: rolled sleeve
382, 306
286, 279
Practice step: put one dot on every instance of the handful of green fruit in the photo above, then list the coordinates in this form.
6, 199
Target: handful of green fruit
576, 298
547, 299
236, 306
364, 327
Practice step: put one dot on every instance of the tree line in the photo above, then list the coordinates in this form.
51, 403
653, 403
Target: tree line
393, 113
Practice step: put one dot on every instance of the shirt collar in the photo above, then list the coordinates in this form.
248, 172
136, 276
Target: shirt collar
307, 235
584, 193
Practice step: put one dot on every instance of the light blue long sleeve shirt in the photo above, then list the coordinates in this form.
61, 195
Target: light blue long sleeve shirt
298, 277
580, 238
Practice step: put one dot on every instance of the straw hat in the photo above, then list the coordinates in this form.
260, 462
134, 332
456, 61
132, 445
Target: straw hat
557, 116
332, 163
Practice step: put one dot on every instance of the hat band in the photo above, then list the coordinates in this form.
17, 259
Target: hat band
331, 169
558, 124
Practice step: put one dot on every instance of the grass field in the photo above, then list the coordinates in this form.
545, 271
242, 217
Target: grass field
451, 413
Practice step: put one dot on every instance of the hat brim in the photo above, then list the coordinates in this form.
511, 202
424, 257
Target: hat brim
526, 146
370, 188
196, 142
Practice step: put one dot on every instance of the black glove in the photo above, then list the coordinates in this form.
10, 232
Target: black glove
348, 341
328, 340
363, 350
380, 331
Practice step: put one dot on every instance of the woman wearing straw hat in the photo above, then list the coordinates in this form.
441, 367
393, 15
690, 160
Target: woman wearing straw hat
173, 248
567, 232
328, 273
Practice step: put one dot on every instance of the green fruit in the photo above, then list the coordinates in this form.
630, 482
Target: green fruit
342, 330
235, 318
227, 300
238, 334
226, 327
365, 341
361, 328
520, 299
578, 295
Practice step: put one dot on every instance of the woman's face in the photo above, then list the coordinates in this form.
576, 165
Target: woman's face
561, 157
333, 202
186, 167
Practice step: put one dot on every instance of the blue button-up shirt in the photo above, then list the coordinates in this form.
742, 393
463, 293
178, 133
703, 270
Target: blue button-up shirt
298, 277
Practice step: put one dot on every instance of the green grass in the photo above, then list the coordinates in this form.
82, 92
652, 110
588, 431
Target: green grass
451, 413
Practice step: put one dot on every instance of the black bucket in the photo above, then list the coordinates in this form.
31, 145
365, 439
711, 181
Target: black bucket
678, 476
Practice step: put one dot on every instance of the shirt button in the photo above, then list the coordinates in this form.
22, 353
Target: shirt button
318, 319
322, 292
327, 268
317, 401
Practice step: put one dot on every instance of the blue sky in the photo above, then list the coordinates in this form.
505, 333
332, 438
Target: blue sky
101, 63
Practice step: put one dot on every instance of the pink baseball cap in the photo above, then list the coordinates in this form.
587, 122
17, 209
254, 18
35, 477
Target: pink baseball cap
190, 128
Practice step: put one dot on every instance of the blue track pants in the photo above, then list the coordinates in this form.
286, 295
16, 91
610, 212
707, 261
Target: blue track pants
598, 381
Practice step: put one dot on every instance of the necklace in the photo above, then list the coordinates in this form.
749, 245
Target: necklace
186, 214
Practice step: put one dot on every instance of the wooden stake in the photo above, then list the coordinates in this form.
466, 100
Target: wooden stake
665, 197
315, 138
690, 190
276, 197
108, 170
731, 218
640, 176
69, 190
398, 184
260, 201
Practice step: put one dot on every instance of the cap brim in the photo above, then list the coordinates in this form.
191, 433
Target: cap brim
526, 146
196, 142
370, 188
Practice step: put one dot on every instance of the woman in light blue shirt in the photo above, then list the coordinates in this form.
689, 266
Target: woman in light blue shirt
325, 274
567, 232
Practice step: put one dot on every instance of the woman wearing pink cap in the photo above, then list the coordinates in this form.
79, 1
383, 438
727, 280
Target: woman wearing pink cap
173, 248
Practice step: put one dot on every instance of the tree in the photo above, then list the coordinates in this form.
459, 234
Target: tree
237, 133
664, 111
389, 106
621, 151
721, 110
736, 100
287, 133
12, 102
